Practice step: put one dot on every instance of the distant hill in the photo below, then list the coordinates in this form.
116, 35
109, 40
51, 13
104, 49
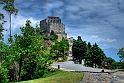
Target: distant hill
112, 52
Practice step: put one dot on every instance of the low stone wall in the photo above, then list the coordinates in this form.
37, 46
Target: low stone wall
114, 77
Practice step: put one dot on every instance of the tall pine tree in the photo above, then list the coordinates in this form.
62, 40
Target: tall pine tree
98, 55
79, 50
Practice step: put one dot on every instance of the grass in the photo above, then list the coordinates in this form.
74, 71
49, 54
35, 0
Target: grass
59, 77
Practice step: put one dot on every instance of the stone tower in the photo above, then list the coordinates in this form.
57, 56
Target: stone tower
70, 40
53, 23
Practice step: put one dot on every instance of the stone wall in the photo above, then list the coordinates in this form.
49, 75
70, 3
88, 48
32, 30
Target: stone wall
117, 77
53, 23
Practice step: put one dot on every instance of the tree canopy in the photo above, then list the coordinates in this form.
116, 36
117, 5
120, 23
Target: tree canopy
121, 53
79, 49
91, 53
27, 57
97, 55
53, 36
8, 5
60, 48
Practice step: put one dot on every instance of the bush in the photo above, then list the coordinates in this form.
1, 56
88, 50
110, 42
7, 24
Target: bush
118, 65
3, 75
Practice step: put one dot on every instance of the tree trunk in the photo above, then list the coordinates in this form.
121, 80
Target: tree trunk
95, 65
20, 66
10, 26
80, 60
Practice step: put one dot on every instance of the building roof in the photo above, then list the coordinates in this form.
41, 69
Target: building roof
53, 17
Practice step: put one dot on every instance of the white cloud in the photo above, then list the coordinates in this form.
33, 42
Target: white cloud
93, 20
98, 39
18, 21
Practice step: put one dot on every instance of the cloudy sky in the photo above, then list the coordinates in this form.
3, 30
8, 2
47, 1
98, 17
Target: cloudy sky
100, 21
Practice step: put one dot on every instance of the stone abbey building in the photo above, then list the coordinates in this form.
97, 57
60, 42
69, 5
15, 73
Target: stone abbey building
53, 23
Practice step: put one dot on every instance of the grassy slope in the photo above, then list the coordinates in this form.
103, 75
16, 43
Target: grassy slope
59, 77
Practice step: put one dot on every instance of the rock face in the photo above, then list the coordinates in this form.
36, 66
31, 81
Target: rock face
117, 77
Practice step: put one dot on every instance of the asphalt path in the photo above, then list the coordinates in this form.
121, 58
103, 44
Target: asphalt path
71, 66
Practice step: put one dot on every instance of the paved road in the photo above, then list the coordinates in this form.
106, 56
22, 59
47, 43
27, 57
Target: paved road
70, 66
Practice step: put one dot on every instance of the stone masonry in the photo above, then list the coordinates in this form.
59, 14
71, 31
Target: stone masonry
117, 77
53, 23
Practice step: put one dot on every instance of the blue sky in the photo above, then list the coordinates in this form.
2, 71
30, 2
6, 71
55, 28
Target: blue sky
100, 21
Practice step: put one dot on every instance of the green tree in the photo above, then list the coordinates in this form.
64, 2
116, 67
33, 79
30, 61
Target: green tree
2, 21
3, 75
60, 48
79, 49
3, 47
10, 8
88, 58
63, 47
3, 71
98, 55
121, 53
33, 48
110, 60
29, 52
89, 52
53, 36
2, 44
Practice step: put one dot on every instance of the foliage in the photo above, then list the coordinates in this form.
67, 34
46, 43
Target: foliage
3, 48
63, 47
98, 55
36, 57
2, 21
79, 49
60, 48
8, 5
27, 56
121, 53
89, 52
53, 36
3, 75
118, 65
110, 60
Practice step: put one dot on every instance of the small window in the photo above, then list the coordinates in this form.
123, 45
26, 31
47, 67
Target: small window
54, 21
